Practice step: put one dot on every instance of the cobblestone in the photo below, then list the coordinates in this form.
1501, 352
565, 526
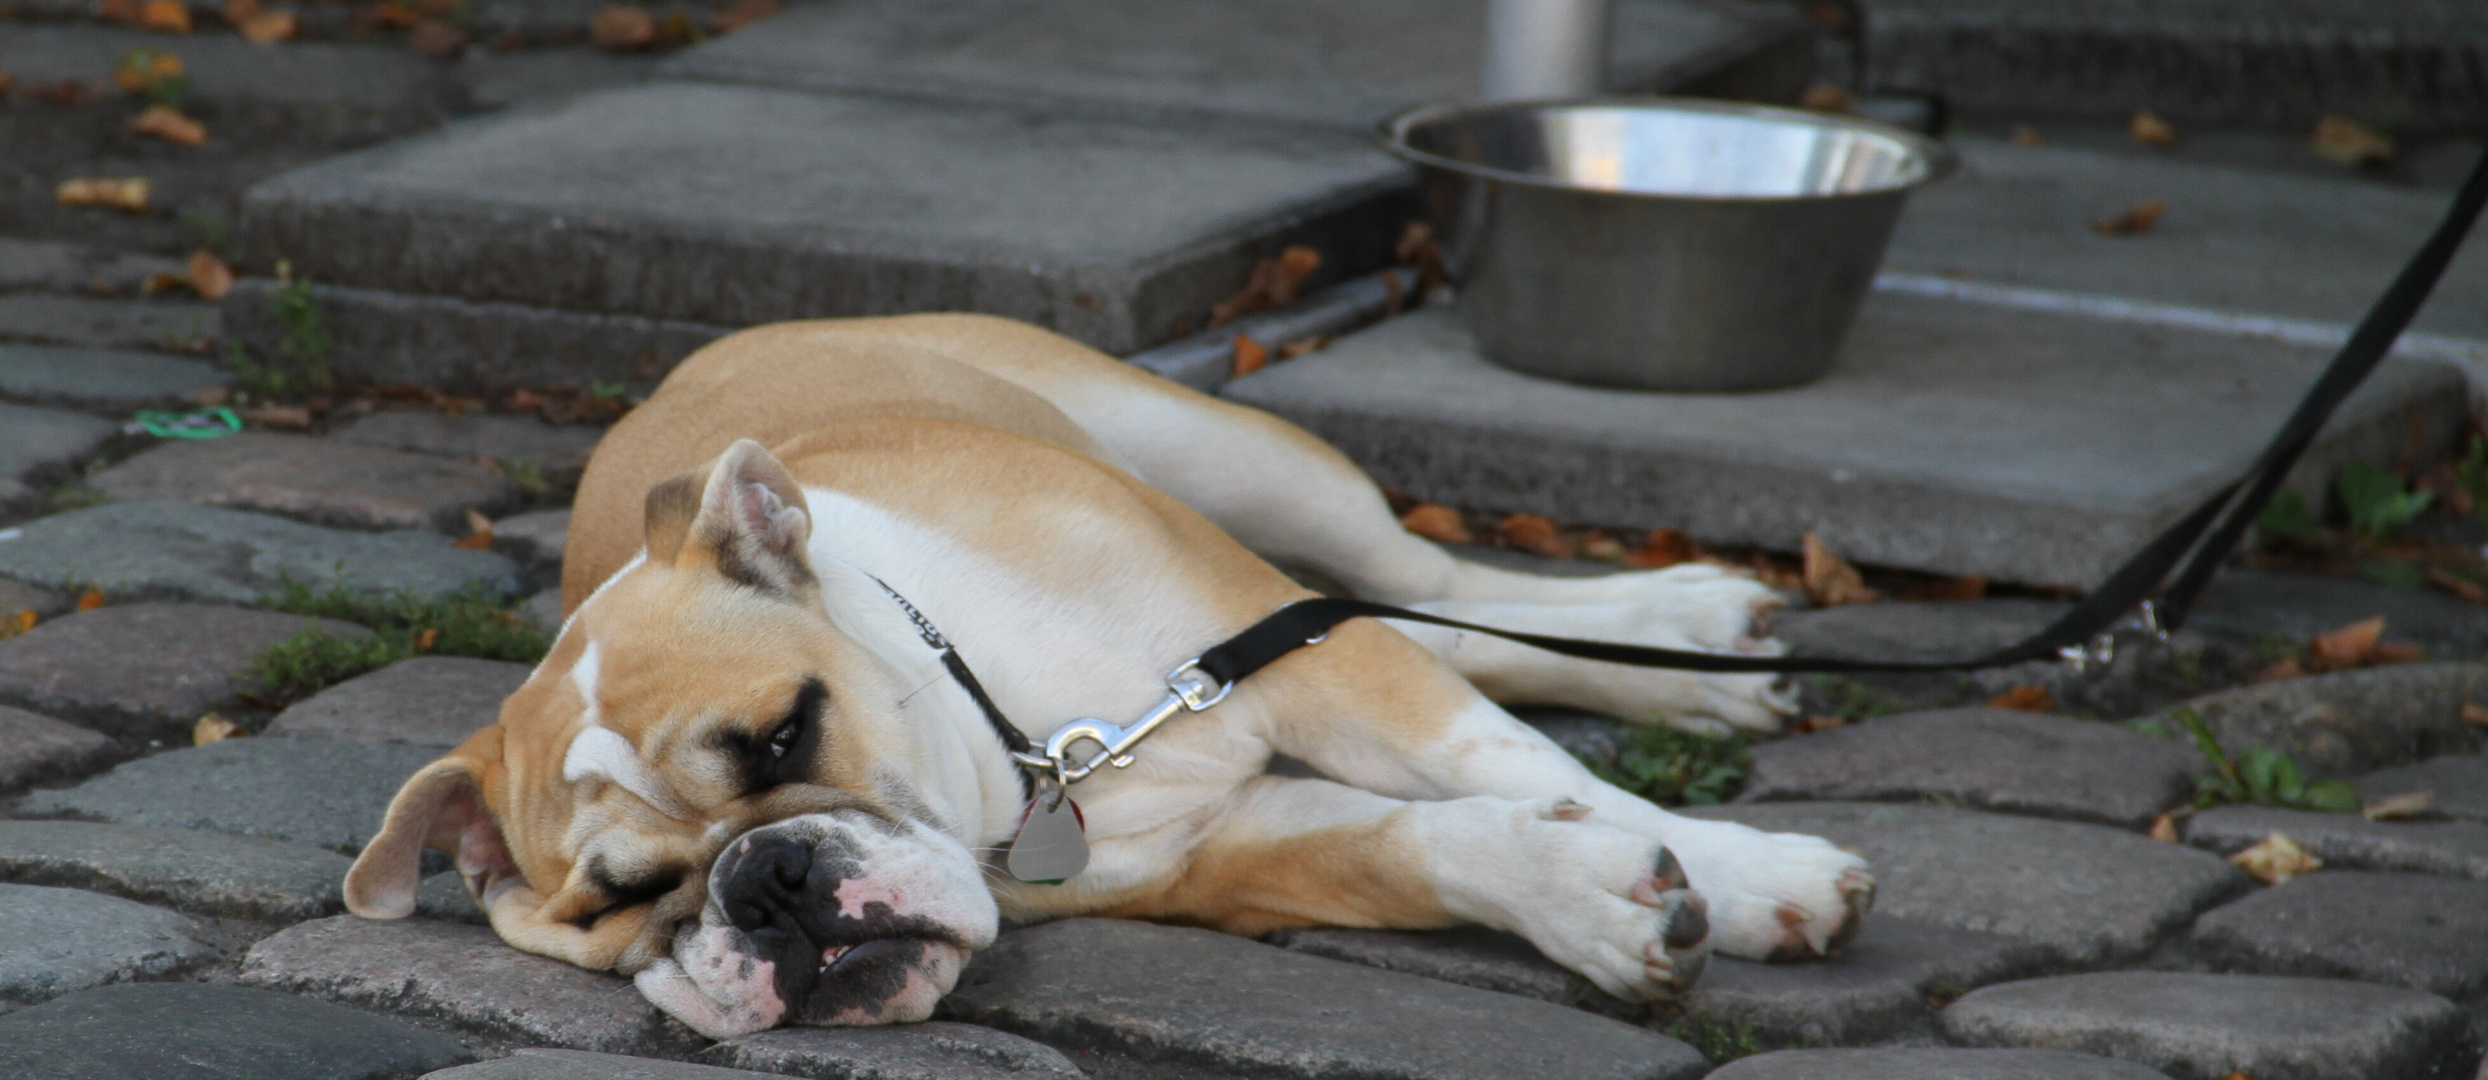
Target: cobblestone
35, 748
179, 551
189, 870
535, 539
540, 1064
426, 701
44, 318
1917, 1063
17, 597
2414, 930
2204, 1027
2456, 785
110, 379
466, 976
60, 941
1994, 759
468, 436
931, 1051
2347, 841
145, 670
325, 792
321, 481
2346, 723
40, 445
178, 1031
2087, 893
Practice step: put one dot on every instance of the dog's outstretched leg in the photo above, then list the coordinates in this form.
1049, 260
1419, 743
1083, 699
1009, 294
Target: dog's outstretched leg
1603, 901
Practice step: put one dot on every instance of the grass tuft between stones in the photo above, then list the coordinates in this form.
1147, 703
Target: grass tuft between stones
1675, 768
1723, 1041
474, 622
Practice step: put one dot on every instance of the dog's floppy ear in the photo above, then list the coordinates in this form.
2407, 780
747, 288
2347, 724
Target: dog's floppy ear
748, 517
440, 807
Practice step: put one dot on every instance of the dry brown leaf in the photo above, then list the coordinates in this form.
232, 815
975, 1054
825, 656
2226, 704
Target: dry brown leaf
1663, 548
426, 638
1824, 97
1808, 725
622, 29
474, 541
1416, 247
2026, 136
124, 193
2025, 698
164, 16
209, 276
1829, 579
124, 12
238, 12
2164, 828
1972, 587
1250, 356
15, 623
90, 599
2475, 715
212, 728
2456, 584
168, 124
436, 38
1439, 523
2345, 647
2397, 807
1596, 544
1274, 283
741, 13
2137, 220
2146, 127
2340, 139
1535, 534
291, 416
270, 27
6, 81
2275, 860
2286, 669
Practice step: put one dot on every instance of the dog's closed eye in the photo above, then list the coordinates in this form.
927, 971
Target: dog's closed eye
783, 755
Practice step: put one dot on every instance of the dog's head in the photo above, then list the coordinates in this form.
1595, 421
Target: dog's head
712, 782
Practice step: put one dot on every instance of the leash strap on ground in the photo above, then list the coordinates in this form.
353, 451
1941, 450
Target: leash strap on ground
2206, 531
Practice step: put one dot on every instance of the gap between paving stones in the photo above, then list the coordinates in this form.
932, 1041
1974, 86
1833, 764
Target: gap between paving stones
189, 870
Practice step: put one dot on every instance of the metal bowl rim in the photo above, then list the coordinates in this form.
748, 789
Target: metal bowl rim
1940, 158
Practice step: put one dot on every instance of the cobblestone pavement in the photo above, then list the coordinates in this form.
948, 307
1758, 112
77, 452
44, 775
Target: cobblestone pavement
179, 800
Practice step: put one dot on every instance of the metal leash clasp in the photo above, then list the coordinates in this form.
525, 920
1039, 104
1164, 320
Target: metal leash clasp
1188, 689
2101, 649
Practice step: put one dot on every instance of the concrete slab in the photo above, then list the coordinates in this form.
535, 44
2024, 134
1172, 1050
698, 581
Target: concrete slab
2232, 240
2419, 64
735, 204
114, 324
1950, 438
1335, 63
107, 379
334, 89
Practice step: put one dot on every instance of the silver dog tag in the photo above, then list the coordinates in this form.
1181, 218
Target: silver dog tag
1052, 845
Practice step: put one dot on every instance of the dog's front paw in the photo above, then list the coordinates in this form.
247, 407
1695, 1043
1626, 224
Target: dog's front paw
1774, 896
1618, 910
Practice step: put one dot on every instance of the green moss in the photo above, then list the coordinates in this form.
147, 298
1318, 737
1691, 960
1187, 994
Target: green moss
474, 623
2259, 775
1673, 768
1721, 1041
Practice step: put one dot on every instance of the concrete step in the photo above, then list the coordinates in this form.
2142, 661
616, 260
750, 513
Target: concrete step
1952, 438
2419, 65
1112, 187
1336, 63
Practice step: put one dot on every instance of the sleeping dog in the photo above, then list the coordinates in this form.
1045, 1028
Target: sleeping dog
745, 775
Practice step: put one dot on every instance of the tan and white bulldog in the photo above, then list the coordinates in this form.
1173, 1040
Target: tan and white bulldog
743, 776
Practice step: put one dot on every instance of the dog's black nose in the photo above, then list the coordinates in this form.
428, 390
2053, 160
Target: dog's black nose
766, 888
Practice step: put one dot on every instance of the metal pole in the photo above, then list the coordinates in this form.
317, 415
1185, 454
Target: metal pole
1545, 48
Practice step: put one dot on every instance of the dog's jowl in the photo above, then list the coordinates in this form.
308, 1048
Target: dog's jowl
744, 776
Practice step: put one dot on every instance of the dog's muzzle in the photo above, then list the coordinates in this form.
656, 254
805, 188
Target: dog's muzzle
827, 919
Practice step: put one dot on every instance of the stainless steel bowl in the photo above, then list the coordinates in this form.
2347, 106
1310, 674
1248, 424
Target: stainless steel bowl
1662, 243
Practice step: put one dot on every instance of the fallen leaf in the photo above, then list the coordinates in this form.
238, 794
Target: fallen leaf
6, 81
125, 12
213, 728
741, 13
15, 623
238, 12
2025, 698
164, 16
2164, 828
170, 125
622, 29
1535, 534
390, 14
2397, 807
2340, 139
2275, 860
1808, 725
1663, 548
477, 522
1250, 356
1416, 247
2474, 715
1972, 587
676, 29
1438, 523
2137, 220
436, 38
2026, 136
2456, 584
293, 416
66, 92
90, 599
2286, 669
125, 193
2237, 1074
1596, 544
475, 541
2146, 127
162, 283
270, 27
1829, 580
1824, 97
426, 638
1274, 283
1301, 346
2345, 647
1772, 572
209, 276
